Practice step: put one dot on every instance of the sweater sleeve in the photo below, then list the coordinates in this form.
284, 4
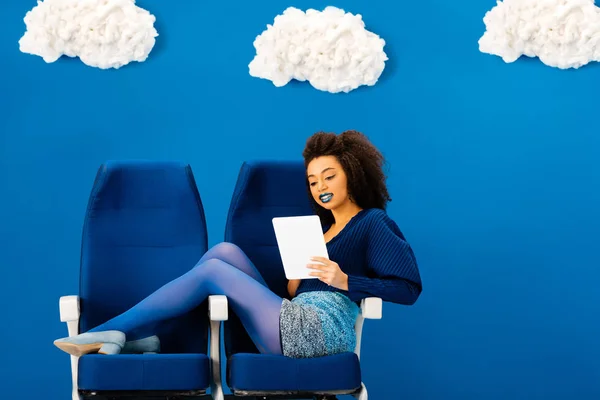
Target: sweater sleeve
393, 274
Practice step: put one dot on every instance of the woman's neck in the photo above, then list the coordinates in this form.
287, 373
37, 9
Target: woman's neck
344, 213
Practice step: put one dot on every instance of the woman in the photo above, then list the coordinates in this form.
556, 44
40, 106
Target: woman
369, 256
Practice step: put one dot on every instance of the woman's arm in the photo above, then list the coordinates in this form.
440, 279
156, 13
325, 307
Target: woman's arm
293, 286
394, 274
400, 291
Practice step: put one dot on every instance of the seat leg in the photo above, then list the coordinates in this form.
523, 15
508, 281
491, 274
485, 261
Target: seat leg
74, 372
362, 394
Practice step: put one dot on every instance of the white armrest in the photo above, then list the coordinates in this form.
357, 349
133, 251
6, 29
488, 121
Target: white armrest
69, 312
69, 308
217, 308
370, 308
217, 312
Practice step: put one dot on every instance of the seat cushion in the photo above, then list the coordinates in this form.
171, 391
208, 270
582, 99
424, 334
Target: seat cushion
143, 372
260, 372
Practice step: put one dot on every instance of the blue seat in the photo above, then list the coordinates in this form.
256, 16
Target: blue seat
143, 227
267, 189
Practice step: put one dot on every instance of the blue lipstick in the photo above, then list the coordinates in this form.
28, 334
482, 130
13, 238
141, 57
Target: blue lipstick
325, 197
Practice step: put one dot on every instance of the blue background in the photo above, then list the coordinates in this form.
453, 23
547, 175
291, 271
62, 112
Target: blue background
494, 174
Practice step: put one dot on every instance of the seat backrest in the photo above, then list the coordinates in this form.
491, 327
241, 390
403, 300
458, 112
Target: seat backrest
264, 190
144, 226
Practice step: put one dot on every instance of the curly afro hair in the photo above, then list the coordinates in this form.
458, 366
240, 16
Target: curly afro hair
362, 163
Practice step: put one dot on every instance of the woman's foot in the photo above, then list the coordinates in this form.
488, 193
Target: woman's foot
105, 342
150, 344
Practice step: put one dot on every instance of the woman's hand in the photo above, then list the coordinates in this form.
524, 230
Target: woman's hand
330, 273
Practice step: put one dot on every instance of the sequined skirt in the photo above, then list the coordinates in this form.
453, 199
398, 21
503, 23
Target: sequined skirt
316, 324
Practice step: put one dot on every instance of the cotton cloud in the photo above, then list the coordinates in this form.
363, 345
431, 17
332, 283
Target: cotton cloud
331, 49
102, 33
561, 33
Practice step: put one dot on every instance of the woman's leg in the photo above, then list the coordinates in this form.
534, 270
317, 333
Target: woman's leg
225, 251
257, 307
232, 254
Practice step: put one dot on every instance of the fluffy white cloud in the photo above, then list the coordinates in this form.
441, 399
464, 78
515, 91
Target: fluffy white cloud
561, 33
102, 33
331, 49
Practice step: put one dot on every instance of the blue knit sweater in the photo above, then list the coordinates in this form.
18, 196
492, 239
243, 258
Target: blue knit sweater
374, 254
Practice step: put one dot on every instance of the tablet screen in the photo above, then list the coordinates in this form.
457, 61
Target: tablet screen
299, 239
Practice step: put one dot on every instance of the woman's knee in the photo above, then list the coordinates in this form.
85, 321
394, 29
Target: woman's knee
209, 264
224, 249
216, 272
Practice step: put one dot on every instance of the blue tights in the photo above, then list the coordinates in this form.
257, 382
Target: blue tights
223, 270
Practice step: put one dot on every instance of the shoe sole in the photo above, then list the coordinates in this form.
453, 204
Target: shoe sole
79, 349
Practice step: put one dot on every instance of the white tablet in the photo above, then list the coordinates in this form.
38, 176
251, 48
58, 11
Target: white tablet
299, 239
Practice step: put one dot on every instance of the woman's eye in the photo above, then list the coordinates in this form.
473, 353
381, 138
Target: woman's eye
330, 177
313, 183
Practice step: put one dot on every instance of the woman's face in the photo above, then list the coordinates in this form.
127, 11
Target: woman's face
328, 182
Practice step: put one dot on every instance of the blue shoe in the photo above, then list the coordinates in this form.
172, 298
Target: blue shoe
150, 344
106, 342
